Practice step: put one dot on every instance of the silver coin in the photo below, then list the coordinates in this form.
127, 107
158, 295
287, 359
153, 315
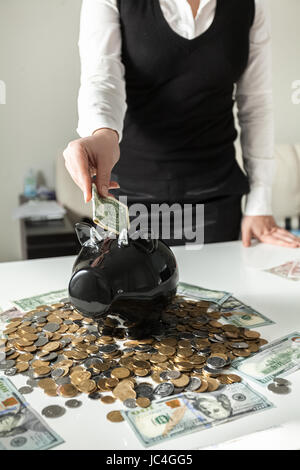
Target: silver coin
241, 345
51, 327
201, 334
73, 403
144, 348
94, 395
280, 381
25, 390
186, 335
40, 314
164, 375
194, 384
62, 380
41, 341
9, 352
204, 352
213, 372
10, 372
178, 390
129, 403
4, 365
88, 363
144, 390
53, 411
220, 338
108, 348
173, 374
50, 357
215, 362
68, 322
65, 341
164, 390
33, 383
56, 373
128, 350
279, 389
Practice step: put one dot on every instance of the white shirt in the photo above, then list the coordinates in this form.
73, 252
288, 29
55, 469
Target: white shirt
102, 95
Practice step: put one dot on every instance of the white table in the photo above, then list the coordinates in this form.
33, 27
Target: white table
224, 266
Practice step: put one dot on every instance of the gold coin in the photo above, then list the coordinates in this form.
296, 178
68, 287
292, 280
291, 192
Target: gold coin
213, 384
234, 378
124, 391
167, 350
182, 381
46, 383
80, 376
158, 358
169, 342
241, 352
115, 417
111, 383
42, 370
39, 363
51, 392
120, 373
108, 400
52, 346
143, 402
141, 364
204, 385
68, 390
22, 366
251, 334
87, 386
141, 372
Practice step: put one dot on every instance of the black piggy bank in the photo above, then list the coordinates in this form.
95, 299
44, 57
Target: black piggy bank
135, 278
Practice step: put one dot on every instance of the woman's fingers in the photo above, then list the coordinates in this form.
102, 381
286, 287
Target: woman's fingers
78, 166
246, 236
276, 240
288, 234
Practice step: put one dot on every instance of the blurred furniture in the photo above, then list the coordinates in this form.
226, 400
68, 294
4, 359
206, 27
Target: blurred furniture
47, 238
286, 187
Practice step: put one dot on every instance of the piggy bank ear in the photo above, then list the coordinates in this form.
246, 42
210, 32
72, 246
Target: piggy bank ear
83, 232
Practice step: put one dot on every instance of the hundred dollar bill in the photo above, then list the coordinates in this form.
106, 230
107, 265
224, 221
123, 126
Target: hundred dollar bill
8, 315
109, 213
49, 298
186, 413
21, 428
281, 357
200, 293
239, 314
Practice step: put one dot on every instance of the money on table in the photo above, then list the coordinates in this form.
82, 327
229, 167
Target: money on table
109, 213
21, 428
289, 270
30, 303
190, 412
239, 314
281, 357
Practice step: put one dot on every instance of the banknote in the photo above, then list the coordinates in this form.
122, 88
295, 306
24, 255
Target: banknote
289, 270
186, 413
109, 213
6, 316
200, 293
281, 357
48, 298
21, 428
239, 314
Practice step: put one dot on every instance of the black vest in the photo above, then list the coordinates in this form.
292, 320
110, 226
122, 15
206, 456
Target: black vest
179, 121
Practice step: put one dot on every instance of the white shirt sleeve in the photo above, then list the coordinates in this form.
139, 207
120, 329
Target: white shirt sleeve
255, 113
102, 94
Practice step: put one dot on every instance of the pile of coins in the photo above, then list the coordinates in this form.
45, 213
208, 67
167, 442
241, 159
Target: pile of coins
66, 354
280, 386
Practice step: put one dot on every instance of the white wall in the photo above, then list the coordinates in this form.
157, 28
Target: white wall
40, 66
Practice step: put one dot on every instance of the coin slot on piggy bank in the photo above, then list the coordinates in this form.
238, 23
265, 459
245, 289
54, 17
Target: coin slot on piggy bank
134, 278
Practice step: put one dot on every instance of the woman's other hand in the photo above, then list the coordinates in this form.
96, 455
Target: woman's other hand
265, 229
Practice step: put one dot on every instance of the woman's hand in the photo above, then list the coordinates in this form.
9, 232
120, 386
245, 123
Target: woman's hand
94, 155
264, 229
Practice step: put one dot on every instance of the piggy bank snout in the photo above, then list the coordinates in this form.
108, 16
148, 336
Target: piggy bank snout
89, 292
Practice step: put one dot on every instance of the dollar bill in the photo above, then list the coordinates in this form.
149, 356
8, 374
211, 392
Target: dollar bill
30, 303
21, 428
109, 213
239, 314
200, 293
281, 357
289, 270
8, 315
186, 413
